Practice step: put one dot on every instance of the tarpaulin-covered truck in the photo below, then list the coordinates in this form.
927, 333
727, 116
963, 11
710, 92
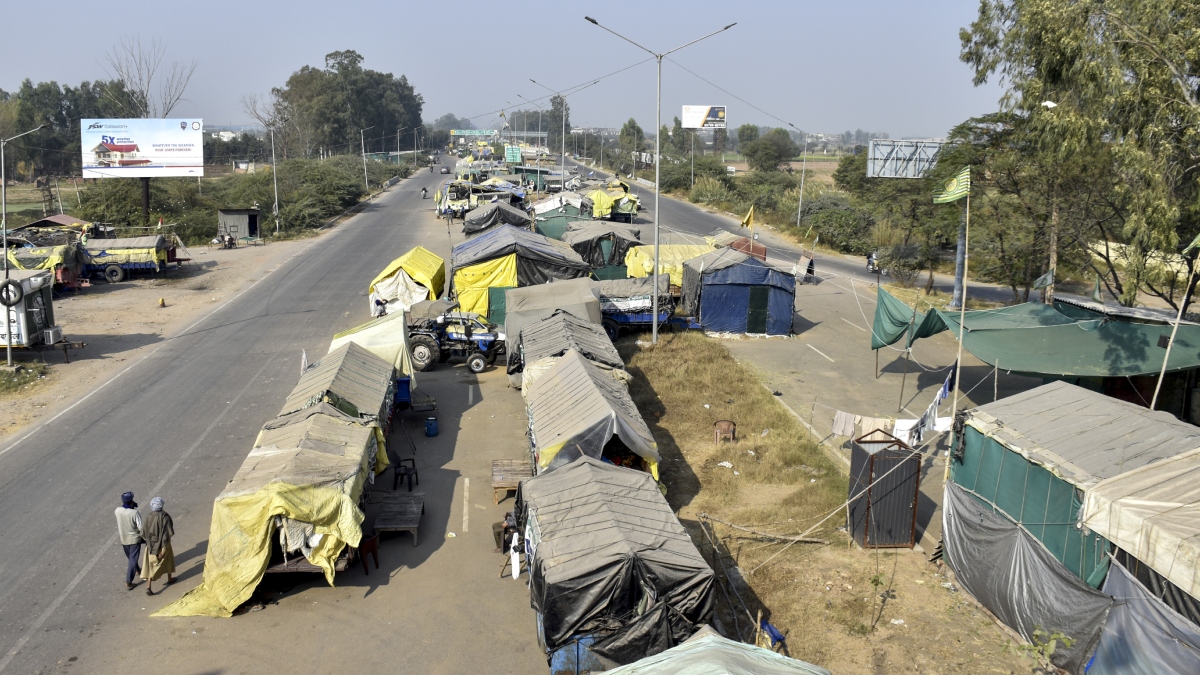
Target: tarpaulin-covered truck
116, 259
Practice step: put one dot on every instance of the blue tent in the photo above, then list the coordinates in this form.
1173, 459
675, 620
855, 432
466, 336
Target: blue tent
732, 292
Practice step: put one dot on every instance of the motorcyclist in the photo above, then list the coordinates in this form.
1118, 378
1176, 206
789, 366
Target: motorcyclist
424, 191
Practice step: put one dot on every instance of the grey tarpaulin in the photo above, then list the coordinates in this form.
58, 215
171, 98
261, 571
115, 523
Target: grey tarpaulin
525, 306
483, 217
1018, 580
539, 259
585, 237
606, 546
1142, 635
426, 310
351, 378
563, 331
707, 653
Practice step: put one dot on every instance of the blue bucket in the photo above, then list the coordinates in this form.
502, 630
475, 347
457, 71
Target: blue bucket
431, 427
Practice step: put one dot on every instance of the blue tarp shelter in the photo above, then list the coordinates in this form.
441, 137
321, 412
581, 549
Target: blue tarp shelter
732, 292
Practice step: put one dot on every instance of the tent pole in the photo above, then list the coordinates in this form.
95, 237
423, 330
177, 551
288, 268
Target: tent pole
908, 350
962, 312
877, 364
996, 383
1171, 342
900, 404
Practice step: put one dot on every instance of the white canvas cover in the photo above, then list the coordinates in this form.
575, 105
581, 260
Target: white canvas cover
1153, 513
707, 653
400, 291
385, 337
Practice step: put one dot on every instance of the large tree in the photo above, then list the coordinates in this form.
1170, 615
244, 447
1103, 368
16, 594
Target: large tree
769, 151
558, 117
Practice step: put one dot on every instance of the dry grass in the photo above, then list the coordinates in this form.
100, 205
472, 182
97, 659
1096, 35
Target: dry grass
836, 602
26, 377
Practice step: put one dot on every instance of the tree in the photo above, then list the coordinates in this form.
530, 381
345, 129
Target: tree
149, 89
766, 153
720, 140
558, 116
448, 122
746, 134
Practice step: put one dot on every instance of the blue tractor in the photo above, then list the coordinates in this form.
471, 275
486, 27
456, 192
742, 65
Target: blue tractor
436, 333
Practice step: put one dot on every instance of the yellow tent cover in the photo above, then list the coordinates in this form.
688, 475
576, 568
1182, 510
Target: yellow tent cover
471, 283
308, 467
54, 256
423, 265
383, 337
639, 261
602, 203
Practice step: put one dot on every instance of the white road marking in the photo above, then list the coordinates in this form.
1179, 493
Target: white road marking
852, 323
819, 352
470, 395
466, 502
112, 540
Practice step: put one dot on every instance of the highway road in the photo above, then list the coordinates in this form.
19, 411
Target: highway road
178, 423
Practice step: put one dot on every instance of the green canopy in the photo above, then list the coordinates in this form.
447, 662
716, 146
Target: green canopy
893, 318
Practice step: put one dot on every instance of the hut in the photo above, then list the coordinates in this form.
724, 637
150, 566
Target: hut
508, 257
611, 569
731, 292
418, 275
351, 379
603, 244
885, 485
521, 307
238, 223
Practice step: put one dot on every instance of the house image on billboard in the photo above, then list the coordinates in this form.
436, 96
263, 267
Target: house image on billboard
113, 154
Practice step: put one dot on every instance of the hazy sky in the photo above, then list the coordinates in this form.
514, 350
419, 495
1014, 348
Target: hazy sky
824, 66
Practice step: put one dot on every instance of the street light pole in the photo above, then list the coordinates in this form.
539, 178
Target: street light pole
362, 139
657, 146
8, 322
275, 181
803, 173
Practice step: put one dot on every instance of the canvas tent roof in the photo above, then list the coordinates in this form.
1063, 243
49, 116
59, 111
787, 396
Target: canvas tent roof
309, 467
576, 408
350, 377
599, 533
729, 266
1050, 342
506, 239
527, 305
423, 265
633, 287
1082, 436
708, 653
1121, 312
564, 331
155, 241
585, 237
557, 201
430, 309
385, 337
489, 215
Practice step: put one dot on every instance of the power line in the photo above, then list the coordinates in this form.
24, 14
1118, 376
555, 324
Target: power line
726, 91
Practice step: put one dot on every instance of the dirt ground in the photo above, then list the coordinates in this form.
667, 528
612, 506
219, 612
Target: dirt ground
121, 323
841, 607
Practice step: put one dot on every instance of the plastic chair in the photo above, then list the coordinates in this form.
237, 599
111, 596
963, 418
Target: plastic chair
405, 468
724, 429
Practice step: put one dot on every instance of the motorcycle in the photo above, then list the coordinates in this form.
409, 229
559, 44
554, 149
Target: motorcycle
873, 264
423, 193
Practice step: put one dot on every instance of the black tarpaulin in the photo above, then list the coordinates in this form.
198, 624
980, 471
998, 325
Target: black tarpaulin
488, 215
1018, 580
587, 238
539, 259
605, 543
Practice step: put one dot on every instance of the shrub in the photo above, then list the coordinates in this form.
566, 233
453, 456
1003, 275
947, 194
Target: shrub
840, 224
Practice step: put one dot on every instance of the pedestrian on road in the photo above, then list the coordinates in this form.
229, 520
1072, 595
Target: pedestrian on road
129, 530
157, 556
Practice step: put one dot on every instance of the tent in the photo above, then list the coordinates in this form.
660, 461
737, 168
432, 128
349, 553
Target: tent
350, 378
614, 204
417, 275
1143, 635
385, 337
731, 292
635, 294
708, 653
576, 409
510, 257
640, 260
525, 306
554, 214
496, 213
603, 244
304, 477
561, 332
609, 557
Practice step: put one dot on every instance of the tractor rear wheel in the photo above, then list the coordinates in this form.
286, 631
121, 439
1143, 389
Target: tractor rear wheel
425, 352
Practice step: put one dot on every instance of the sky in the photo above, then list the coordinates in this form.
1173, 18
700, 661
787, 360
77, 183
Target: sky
825, 67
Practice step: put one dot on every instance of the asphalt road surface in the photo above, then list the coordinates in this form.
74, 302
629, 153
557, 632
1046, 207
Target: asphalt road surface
179, 422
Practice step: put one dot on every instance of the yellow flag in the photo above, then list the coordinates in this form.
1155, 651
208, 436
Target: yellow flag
748, 221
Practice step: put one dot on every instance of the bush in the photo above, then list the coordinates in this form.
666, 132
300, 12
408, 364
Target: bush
677, 175
902, 262
840, 224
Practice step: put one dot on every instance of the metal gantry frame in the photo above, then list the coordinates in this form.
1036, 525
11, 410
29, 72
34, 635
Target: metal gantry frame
887, 158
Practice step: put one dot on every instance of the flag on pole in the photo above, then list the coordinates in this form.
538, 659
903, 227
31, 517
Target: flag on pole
1044, 281
957, 187
1192, 246
1096, 295
748, 221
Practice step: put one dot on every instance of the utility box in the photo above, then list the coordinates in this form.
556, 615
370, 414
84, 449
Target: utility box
885, 484
238, 223
31, 320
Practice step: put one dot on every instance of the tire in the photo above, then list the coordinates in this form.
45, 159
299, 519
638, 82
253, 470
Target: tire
114, 274
612, 329
476, 363
425, 352
11, 293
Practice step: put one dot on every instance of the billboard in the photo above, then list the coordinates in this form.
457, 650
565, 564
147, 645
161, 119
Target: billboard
902, 159
703, 117
142, 148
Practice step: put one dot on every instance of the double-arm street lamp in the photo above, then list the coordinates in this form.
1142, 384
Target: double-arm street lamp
657, 145
4, 238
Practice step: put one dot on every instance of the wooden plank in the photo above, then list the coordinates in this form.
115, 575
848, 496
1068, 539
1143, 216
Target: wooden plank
507, 474
400, 512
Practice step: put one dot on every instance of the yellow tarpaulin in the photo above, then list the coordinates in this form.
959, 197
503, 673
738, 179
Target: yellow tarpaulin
639, 261
47, 258
315, 480
471, 283
423, 265
602, 203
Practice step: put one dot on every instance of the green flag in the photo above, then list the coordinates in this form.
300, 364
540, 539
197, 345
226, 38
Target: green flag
1096, 295
1192, 246
956, 188
1044, 281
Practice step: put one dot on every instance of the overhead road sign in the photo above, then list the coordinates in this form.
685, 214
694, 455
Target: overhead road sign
888, 158
142, 148
703, 117
473, 132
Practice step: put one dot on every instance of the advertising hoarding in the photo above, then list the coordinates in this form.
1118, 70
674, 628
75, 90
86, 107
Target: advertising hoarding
703, 117
142, 148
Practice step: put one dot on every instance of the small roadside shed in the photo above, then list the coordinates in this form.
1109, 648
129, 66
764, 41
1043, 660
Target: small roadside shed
732, 292
238, 223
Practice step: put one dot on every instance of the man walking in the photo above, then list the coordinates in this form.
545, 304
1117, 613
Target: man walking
129, 531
